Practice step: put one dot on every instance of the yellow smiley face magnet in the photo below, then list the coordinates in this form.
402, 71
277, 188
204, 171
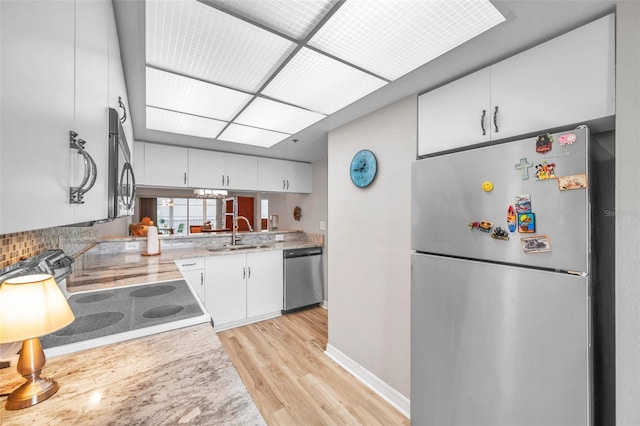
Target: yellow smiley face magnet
487, 186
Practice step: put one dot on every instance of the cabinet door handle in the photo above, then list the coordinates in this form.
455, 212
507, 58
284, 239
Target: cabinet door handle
495, 118
284, 185
201, 278
227, 180
124, 109
76, 193
244, 272
222, 180
189, 264
185, 178
484, 114
249, 272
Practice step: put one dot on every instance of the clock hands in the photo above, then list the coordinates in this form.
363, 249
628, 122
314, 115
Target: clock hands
361, 169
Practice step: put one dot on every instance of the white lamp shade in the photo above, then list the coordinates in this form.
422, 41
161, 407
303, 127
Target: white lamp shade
32, 306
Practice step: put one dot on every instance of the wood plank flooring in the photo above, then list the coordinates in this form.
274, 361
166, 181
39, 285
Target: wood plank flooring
282, 363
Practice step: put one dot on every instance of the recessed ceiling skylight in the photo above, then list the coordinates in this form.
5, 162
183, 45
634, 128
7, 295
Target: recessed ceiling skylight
277, 116
266, 69
193, 39
175, 122
391, 38
293, 18
174, 92
252, 136
319, 83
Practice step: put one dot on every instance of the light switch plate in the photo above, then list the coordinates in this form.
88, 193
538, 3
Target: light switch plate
323, 225
133, 245
279, 237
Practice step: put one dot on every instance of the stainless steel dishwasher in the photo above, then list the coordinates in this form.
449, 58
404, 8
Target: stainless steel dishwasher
303, 278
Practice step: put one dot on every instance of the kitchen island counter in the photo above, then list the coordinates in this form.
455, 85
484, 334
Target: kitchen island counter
180, 376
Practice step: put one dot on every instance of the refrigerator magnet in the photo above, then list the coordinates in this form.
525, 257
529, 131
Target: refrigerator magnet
511, 219
523, 167
535, 244
499, 234
543, 143
567, 183
567, 139
485, 226
527, 223
545, 171
523, 203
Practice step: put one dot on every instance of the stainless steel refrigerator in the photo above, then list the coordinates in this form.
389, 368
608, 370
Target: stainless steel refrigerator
500, 322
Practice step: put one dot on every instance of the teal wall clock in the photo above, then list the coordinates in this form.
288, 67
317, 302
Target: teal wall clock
364, 167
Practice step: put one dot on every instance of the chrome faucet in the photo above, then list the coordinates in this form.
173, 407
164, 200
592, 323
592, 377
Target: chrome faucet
235, 217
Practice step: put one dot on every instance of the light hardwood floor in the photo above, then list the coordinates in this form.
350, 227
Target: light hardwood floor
282, 363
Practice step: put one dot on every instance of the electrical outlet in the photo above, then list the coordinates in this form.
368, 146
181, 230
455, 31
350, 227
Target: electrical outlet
323, 225
133, 245
279, 237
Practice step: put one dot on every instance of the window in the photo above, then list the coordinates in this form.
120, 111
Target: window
178, 213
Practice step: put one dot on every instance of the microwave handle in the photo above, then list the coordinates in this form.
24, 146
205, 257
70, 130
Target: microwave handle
127, 169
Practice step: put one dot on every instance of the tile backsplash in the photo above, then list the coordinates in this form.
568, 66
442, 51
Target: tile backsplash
22, 245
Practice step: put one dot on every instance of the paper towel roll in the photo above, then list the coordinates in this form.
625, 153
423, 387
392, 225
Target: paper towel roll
153, 243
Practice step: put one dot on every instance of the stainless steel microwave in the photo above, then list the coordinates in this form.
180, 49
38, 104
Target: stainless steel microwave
122, 181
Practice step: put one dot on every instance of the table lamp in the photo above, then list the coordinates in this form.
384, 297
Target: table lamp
31, 306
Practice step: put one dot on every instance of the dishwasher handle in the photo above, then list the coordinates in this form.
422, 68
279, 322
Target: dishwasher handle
304, 252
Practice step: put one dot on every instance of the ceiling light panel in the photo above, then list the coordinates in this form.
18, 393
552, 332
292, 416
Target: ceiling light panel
175, 122
251, 136
194, 39
277, 116
391, 38
293, 18
318, 83
170, 91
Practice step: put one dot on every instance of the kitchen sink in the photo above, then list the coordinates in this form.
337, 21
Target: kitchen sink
229, 247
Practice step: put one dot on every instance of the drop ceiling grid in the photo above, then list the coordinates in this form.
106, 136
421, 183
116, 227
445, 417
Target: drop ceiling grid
277, 116
175, 122
309, 78
251, 135
196, 40
292, 18
170, 91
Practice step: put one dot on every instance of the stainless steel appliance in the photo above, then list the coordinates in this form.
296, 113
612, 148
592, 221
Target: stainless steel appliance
122, 182
501, 318
303, 278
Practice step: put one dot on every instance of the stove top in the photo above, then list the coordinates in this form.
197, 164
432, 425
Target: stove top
118, 314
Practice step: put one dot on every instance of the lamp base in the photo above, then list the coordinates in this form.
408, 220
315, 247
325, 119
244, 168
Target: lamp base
33, 391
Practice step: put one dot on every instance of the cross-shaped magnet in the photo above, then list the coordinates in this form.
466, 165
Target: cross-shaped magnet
523, 166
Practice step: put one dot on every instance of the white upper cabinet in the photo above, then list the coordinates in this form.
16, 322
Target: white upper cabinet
92, 94
566, 81
207, 169
37, 113
453, 115
138, 162
55, 71
241, 172
283, 176
165, 165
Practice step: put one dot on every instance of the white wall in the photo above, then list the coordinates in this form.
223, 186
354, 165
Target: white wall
627, 213
369, 244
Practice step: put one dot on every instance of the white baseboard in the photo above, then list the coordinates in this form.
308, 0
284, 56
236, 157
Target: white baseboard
324, 304
245, 321
389, 394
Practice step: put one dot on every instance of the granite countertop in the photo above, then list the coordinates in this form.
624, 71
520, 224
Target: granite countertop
180, 376
94, 271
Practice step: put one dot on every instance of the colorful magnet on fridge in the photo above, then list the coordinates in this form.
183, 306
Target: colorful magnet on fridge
567, 139
535, 244
523, 203
511, 219
523, 166
545, 171
474, 225
499, 234
527, 223
485, 226
543, 143
487, 186
566, 183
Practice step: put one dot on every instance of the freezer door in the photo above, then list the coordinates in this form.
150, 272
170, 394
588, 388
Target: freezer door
447, 195
498, 345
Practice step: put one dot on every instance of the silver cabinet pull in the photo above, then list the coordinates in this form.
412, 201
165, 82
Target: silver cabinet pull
284, 185
201, 278
129, 198
484, 114
495, 118
227, 180
222, 180
124, 109
189, 264
76, 193
249, 272
244, 272
185, 178
287, 183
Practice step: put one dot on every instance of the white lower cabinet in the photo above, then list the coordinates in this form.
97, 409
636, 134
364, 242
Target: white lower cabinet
193, 272
243, 288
